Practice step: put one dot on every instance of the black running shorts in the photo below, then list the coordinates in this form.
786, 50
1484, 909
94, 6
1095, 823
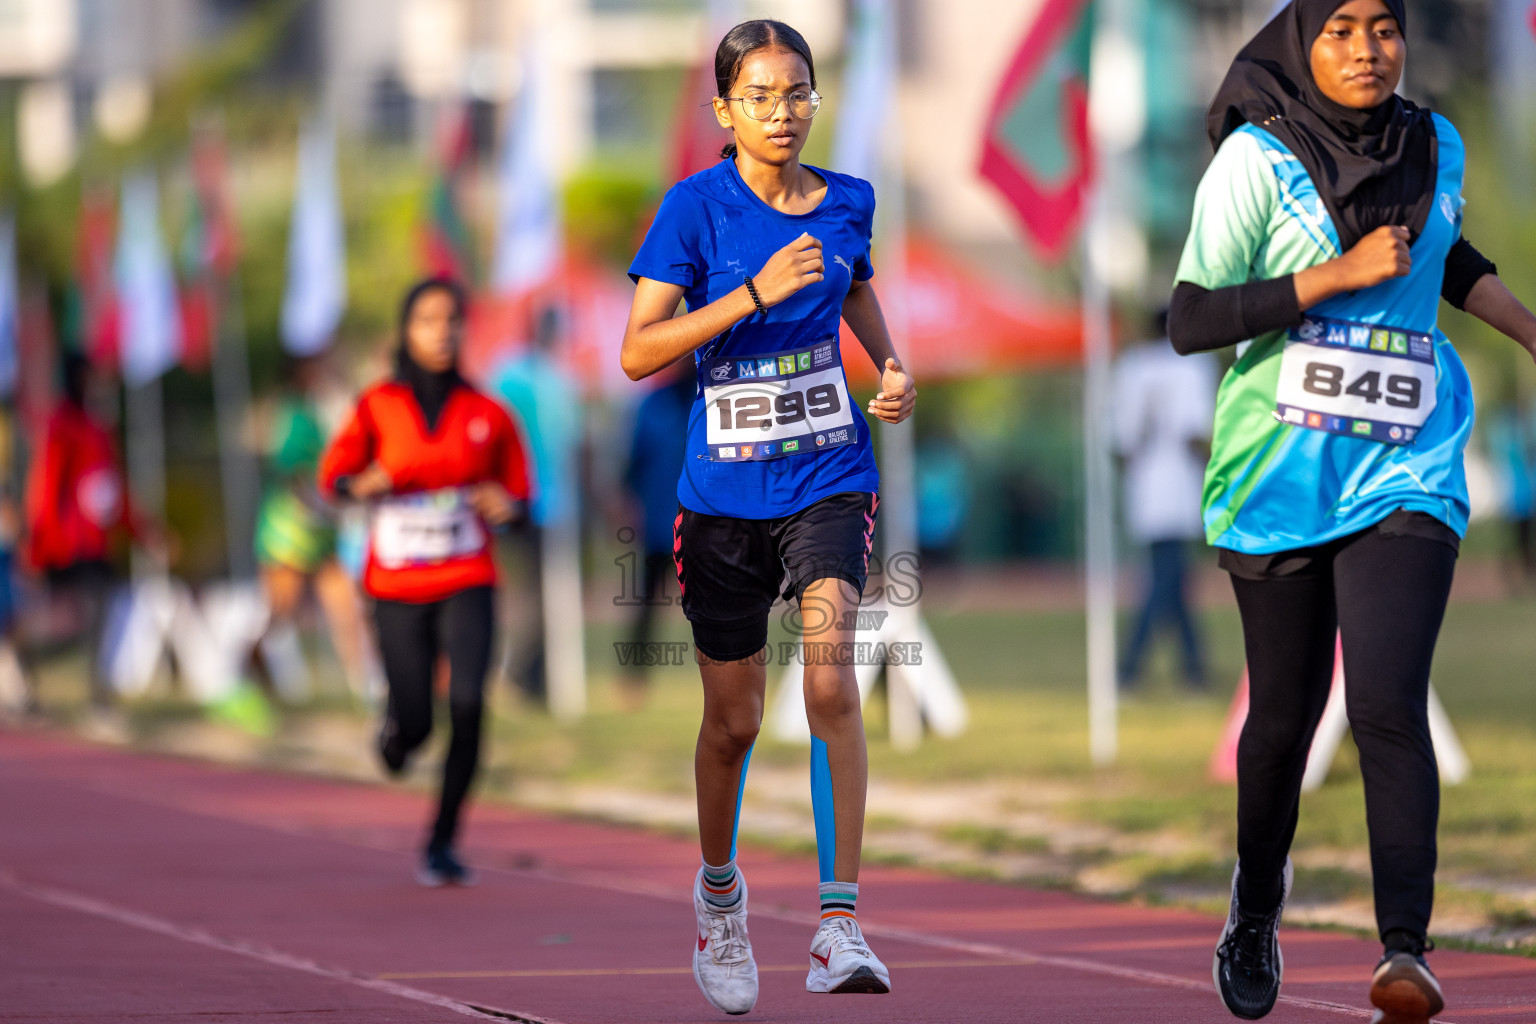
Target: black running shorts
731, 570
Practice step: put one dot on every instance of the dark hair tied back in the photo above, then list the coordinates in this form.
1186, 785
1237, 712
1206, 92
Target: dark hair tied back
746, 39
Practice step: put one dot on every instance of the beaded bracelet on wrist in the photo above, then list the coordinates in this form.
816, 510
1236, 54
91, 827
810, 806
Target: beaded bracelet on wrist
757, 300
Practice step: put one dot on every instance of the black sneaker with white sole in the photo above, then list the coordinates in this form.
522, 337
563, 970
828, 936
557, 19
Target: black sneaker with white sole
440, 866
1403, 988
1248, 966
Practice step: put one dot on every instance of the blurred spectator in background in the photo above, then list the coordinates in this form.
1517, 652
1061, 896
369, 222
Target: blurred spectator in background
545, 402
296, 542
655, 463
1512, 446
1163, 407
943, 498
77, 518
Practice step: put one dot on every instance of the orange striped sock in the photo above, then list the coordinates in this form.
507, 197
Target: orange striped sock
721, 886
839, 899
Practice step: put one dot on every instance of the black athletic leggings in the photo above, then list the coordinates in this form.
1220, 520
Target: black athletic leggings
411, 636
1385, 593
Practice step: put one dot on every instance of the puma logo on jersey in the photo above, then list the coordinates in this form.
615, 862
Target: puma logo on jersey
845, 264
1447, 208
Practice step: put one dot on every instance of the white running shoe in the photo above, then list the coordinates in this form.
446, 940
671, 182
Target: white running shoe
722, 956
841, 961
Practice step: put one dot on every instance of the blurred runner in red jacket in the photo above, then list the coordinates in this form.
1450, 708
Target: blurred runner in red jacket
77, 514
440, 464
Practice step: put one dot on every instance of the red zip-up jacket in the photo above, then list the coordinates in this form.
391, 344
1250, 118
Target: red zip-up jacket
475, 441
76, 499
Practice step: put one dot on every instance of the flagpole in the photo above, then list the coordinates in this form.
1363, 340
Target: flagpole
898, 450
238, 473
151, 346
922, 693
232, 400
144, 420
1098, 505
529, 254
1107, 117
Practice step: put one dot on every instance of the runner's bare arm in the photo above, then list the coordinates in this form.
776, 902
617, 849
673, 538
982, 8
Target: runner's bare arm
898, 393
655, 337
1495, 305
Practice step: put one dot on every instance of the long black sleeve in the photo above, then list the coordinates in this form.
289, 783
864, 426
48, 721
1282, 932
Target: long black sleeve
1200, 319
1464, 267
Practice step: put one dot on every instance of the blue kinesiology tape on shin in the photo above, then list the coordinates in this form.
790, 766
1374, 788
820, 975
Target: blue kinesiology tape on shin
821, 809
741, 787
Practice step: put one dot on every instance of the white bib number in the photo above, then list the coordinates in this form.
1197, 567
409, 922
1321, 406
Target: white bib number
771, 406
1361, 380
425, 529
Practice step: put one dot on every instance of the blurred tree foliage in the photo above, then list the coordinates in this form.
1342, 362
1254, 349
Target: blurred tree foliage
608, 206
1019, 433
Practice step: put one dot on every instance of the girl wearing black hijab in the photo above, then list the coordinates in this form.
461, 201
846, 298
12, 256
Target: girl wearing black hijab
1325, 231
440, 464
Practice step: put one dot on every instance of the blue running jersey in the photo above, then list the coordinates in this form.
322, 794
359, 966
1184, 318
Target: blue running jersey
711, 232
1327, 429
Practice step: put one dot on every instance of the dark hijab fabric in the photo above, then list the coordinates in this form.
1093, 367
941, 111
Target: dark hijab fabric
431, 389
1372, 167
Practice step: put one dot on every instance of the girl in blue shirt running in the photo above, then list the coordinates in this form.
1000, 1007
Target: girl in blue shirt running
778, 493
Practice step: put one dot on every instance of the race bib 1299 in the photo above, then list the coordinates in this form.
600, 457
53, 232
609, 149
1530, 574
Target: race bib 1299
767, 407
1363, 380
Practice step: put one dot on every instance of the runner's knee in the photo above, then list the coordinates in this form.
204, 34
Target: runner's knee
831, 693
733, 731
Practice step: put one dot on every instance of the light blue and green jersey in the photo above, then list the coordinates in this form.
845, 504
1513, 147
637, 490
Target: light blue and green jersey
1273, 485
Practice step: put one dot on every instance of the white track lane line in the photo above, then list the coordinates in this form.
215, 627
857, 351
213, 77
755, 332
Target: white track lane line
255, 951
668, 894
980, 949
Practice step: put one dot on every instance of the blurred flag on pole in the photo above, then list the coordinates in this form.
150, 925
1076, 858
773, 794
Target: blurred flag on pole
1035, 148
869, 89
92, 315
696, 134
208, 249
316, 293
213, 238
146, 285
447, 247
10, 320
528, 230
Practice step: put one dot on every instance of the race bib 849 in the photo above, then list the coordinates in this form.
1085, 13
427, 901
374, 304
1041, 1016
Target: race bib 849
1363, 380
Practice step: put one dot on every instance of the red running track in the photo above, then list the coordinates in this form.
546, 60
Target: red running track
146, 888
